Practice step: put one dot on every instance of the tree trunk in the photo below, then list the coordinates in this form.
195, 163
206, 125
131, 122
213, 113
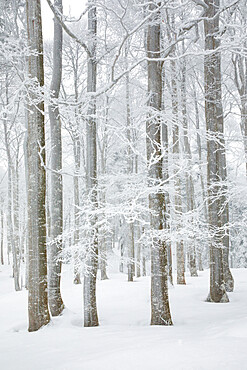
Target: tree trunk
38, 312
55, 266
213, 114
160, 310
177, 182
2, 259
138, 252
77, 155
90, 308
190, 193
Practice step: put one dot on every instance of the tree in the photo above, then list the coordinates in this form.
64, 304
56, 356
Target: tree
89, 295
160, 311
216, 166
38, 312
56, 209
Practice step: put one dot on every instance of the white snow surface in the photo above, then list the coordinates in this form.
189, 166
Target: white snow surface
204, 335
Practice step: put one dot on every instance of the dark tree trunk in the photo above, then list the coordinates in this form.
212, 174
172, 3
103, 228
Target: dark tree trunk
160, 310
215, 149
38, 312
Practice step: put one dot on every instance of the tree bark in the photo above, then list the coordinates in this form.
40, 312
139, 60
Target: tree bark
2, 259
160, 310
214, 125
177, 181
56, 211
90, 308
190, 193
38, 312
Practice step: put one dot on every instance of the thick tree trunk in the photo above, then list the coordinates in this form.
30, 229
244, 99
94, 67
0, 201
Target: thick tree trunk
90, 308
214, 125
55, 266
38, 312
160, 310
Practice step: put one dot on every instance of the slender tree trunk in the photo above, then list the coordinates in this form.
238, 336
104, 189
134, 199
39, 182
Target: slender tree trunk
213, 114
11, 234
160, 310
177, 182
131, 252
90, 307
55, 266
138, 252
77, 156
131, 239
165, 168
199, 148
38, 312
2, 259
144, 272
190, 193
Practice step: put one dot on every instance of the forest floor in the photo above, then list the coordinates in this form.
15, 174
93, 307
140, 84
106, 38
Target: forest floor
204, 335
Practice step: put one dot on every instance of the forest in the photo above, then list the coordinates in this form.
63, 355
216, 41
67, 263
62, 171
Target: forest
123, 193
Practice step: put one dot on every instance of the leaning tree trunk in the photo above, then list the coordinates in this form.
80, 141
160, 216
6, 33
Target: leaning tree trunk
38, 312
90, 308
56, 210
214, 121
160, 310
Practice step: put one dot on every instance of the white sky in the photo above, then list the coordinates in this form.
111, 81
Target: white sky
70, 7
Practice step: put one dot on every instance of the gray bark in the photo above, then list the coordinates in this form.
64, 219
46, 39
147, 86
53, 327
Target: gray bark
56, 211
190, 193
177, 181
12, 241
214, 125
160, 310
90, 308
130, 167
2, 259
38, 312
165, 144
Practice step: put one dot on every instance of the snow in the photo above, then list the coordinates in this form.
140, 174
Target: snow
204, 335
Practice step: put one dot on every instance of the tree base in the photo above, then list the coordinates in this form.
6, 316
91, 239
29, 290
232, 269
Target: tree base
223, 299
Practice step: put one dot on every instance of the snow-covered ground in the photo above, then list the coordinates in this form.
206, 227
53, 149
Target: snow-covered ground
204, 335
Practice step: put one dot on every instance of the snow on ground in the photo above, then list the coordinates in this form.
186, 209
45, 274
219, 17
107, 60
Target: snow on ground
204, 335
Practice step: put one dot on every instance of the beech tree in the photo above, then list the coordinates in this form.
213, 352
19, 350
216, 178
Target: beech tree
217, 210
89, 293
38, 312
56, 209
160, 311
